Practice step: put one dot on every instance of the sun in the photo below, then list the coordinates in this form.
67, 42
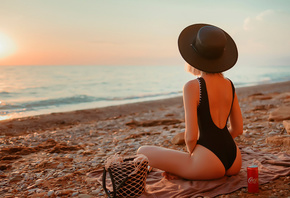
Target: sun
7, 47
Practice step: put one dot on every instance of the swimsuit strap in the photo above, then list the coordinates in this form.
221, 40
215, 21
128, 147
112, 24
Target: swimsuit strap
233, 88
203, 96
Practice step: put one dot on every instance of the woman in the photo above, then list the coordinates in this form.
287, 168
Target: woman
209, 102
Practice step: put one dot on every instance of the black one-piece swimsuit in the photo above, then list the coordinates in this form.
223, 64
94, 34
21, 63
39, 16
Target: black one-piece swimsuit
219, 141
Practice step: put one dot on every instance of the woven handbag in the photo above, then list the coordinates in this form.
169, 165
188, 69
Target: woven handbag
128, 175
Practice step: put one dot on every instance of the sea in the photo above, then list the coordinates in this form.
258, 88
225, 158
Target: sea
35, 90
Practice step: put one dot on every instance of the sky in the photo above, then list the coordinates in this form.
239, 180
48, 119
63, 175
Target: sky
136, 32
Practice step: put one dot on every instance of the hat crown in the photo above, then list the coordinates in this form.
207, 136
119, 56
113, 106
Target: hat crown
210, 42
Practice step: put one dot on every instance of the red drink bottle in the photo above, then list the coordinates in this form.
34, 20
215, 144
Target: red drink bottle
253, 179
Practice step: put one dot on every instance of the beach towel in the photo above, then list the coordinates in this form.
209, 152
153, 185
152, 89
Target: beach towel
271, 166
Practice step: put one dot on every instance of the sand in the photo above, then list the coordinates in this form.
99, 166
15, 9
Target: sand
49, 155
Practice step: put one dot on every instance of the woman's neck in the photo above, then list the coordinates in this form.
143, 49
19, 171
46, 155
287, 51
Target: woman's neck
214, 75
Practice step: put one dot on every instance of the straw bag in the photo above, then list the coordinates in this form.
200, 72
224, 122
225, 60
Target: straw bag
128, 175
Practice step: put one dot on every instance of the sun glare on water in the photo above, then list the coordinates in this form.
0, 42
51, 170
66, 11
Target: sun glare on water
7, 46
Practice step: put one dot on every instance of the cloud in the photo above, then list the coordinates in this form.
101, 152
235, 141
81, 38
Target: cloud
265, 36
251, 23
262, 15
247, 22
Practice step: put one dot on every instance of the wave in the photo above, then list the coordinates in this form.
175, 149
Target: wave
73, 100
261, 81
144, 96
4, 92
49, 102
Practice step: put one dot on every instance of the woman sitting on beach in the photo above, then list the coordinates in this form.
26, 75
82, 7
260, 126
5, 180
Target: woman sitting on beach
209, 102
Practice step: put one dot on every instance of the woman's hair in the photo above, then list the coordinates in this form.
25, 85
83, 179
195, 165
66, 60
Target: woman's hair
194, 71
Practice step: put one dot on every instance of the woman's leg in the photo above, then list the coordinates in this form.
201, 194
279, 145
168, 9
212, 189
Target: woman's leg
201, 165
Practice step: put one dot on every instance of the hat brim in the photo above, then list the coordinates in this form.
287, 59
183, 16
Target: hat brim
221, 64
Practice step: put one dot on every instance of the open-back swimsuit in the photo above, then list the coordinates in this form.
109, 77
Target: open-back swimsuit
217, 140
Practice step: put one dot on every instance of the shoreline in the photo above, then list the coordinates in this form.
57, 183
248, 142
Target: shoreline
37, 123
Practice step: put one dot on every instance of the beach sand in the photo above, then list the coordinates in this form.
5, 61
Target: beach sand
51, 154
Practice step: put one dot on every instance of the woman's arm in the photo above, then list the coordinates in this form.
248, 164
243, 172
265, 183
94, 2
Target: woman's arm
190, 101
236, 119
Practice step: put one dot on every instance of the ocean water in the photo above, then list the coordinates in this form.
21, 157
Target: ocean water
35, 90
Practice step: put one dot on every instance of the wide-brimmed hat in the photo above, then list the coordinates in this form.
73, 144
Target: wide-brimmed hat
207, 48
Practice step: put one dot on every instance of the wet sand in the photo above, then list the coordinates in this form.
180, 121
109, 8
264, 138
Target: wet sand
51, 154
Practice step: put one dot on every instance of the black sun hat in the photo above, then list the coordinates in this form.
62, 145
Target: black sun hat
207, 48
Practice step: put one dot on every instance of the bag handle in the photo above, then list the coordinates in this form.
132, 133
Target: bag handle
113, 183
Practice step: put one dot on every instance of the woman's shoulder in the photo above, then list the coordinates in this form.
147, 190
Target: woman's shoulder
191, 92
191, 85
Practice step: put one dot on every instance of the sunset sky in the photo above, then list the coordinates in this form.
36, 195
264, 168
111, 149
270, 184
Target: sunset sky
136, 32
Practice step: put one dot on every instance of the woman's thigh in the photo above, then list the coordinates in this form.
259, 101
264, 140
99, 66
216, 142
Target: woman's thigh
202, 164
163, 158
